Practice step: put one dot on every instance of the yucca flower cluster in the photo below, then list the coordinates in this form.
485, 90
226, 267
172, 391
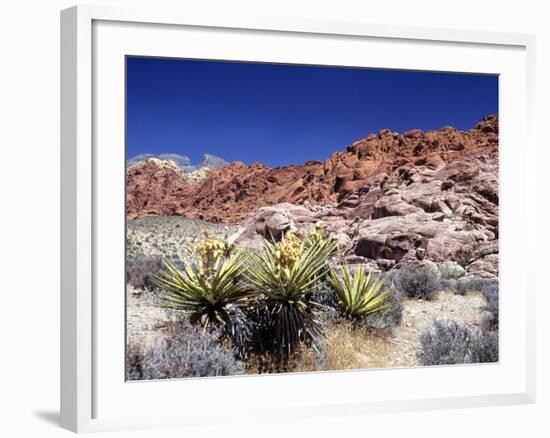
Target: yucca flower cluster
287, 252
209, 251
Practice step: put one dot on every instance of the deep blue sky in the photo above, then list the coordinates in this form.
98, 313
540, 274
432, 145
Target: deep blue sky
283, 114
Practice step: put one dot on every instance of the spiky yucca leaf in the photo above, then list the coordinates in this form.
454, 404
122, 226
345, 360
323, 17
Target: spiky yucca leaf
358, 294
206, 296
284, 284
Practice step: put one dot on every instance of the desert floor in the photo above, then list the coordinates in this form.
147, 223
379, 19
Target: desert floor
346, 347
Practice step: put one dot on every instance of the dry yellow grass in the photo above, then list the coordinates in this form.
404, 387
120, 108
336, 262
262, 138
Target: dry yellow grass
349, 348
346, 348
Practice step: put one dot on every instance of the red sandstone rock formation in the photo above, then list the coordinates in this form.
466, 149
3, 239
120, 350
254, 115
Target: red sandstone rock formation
154, 188
388, 199
237, 191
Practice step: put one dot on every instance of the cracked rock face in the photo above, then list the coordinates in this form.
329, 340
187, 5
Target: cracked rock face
388, 199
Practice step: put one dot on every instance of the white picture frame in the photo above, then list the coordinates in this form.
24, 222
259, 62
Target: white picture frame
86, 378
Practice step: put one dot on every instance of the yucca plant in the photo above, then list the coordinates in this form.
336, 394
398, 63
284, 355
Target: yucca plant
359, 294
211, 294
284, 277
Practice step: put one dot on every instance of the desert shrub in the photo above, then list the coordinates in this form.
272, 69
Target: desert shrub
358, 295
140, 270
448, 285
324, 295
183, 350
451, 271
448, 342
490, 293
417, 282
391, 316
211, 291
471, 284
325, 300
284, 277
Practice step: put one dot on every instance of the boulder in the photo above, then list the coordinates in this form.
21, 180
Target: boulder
274, 224
486, 266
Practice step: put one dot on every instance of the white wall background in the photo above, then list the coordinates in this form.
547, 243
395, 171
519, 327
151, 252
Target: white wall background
29, 238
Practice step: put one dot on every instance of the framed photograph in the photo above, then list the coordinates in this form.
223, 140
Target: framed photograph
284, 217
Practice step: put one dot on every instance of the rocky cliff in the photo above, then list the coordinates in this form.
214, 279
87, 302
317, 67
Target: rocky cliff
388, 198
401, 199
236, 191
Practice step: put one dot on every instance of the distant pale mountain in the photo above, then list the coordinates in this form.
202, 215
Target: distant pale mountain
181, 161
184, 163
212, 162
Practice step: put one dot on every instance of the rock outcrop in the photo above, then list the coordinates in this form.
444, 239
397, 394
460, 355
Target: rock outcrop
394, 221
235, 191
154, 188
155, 184
388, 199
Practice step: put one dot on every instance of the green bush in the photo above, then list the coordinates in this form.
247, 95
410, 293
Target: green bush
451, 271
417, 282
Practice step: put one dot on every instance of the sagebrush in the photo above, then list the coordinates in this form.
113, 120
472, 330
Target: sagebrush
417, 282
141, 269
183, 350
391, 316
448, 343
451, 271
490, 293
471, 284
